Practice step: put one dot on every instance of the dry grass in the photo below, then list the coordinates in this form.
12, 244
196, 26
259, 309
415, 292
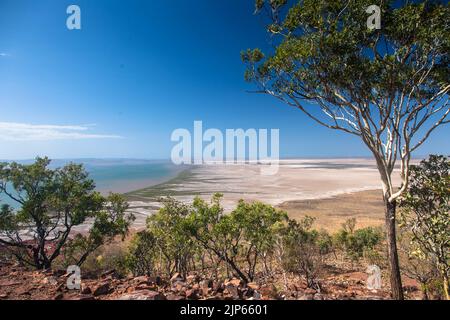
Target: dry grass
366, 207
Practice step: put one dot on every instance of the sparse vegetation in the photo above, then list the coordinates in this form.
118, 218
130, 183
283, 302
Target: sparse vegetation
426, 215
357, 243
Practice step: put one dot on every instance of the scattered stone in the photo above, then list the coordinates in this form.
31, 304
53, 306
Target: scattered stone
144, 286
231, 291
234, 282
191, 279
85, 289
50, 280
101, 289
192, 294
269, 292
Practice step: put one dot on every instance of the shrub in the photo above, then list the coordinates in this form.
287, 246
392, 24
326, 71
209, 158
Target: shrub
426, 214
356, 243
240, 239
141, 254
175, 246
302, 251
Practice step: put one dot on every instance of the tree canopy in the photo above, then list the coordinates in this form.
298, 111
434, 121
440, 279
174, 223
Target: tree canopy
50, 204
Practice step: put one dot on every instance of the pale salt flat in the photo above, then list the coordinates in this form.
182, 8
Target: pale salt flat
295, 180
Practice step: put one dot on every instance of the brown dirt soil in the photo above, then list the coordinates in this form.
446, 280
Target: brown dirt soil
366, 207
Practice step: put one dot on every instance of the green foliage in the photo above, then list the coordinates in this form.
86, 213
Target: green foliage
326, 44
357, 243
303, 250
142, 254
426, 212
51, 203
108, 224
170, 230
249, 231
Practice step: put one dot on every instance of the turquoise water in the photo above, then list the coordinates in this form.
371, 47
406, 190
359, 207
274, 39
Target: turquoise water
120, 175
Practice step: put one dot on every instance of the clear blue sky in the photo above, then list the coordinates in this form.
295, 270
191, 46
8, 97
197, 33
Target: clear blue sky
135, 72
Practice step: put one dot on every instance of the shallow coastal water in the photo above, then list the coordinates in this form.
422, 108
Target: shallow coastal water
119, 175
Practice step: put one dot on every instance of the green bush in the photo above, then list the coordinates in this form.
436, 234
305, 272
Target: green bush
357, 243
303, 250
141, 255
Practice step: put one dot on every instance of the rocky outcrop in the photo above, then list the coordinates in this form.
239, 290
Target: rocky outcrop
18, 284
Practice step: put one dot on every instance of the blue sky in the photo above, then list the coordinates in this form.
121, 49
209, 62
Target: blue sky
135, 72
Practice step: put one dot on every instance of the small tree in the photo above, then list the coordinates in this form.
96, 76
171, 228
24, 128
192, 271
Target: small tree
242, 238
424, 271
357, 242
51, 203
141, 254
173, 241
388, 87
426, 213
302, 251
111, 222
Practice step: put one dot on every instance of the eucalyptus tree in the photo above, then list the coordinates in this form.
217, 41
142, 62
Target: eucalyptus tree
388, 87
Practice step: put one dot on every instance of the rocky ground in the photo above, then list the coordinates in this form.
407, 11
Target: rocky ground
17, 283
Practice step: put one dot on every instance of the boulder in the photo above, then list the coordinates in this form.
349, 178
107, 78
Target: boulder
234, 282
231, 291
85, 289
101, 289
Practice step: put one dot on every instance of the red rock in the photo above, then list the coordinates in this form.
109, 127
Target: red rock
85, 289
192, 294
235, 282
101, 289
50, 280
310, 291
231, 291
269, 292
143, 286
